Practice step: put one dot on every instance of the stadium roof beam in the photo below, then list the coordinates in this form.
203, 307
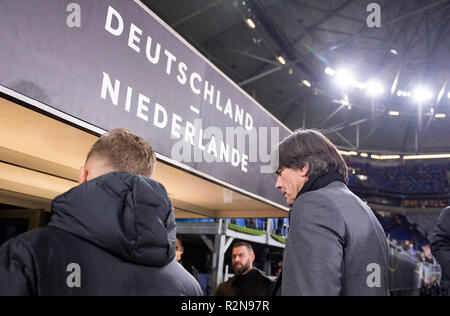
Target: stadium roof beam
290, 101
348, 34
334, 132
291, 110
196, 13
346, 140
299, 25
328, 16
212, 40
426, 35
261, 75
407, 135
277, 35
266, 73
268, 61
425, 131
393, 40
207, 54
375, 126
357, 135
410, 14
340, 127
337, 14
415, 32
438, 41
335, 112
361, 31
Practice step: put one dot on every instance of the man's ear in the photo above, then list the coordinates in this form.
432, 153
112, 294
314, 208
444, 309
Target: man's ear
304, 171
82, 178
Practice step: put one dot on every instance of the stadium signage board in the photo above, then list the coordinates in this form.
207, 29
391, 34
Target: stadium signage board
116, 64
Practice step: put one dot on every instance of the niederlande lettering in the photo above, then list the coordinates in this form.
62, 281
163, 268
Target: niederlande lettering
155, 54
155, 113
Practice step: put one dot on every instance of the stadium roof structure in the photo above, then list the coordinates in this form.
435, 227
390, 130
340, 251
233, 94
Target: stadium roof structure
410, 49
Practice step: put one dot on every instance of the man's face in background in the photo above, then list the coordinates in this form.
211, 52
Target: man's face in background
242, 260
179, 249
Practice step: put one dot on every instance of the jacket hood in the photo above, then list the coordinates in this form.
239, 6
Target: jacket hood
128, 215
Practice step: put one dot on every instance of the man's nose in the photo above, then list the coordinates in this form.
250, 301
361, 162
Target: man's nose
278, 183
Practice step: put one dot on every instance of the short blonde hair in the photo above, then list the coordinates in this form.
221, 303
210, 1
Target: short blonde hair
124, 151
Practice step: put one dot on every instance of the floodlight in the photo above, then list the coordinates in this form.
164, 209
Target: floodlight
250, 23
438, 156
393, 51
360, 85
344, 78
374, 88
329, 71
307, 83
422, 94
281, 60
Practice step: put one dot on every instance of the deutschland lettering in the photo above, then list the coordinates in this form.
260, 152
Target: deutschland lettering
155, 53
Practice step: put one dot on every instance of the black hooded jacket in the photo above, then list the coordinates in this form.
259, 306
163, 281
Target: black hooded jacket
114, 235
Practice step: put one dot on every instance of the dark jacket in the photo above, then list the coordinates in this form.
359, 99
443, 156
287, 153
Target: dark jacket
114, 235
440, 248
254, 283
335, 246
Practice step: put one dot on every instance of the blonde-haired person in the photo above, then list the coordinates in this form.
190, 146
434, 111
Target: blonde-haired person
113, 234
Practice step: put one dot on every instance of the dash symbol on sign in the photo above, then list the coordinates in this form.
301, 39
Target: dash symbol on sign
195, 110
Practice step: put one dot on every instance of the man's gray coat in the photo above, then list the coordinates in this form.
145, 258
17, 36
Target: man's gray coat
335, 246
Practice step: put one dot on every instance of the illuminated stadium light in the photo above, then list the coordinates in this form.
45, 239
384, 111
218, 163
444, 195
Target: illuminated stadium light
250, 23
439, 115
281, 60
348, 153
448, 95
394, 113
422, 94
362, 177
393, 51
344, 78
437, 156
329, 71
344, 102
385, 157
307, 83
374, 88
360, 85
365, 155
